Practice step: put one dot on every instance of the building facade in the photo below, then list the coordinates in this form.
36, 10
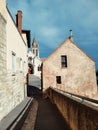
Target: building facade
70, 69
34, 60
13, 62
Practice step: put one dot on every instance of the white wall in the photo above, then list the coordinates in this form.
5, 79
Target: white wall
35, 62
14, 43
12, 87
3, 8
3, 75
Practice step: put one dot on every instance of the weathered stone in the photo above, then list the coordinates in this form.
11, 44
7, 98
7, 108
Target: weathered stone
79, 75
80, 115
11, 86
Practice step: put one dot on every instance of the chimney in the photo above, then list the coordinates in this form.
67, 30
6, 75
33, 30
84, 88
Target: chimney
19, 21
71, 35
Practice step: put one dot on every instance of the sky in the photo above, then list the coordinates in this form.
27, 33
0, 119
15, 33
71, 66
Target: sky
51, 20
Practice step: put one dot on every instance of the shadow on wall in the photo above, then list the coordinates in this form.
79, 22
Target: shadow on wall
33, 91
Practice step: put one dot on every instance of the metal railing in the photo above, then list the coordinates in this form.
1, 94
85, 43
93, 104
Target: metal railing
83, 98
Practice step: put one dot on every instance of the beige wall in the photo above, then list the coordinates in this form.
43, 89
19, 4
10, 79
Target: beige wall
12, 87
2, 63
79, 77
3, 8
78, 113
15, 44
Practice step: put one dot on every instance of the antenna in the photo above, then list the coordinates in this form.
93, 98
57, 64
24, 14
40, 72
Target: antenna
70, 32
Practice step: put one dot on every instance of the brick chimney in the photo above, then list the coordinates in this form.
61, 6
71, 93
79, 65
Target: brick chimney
19, 21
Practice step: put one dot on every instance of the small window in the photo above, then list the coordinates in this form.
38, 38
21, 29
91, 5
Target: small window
39, 68
33, 51
64, 61
21, 65
29, 58
13, 62
36, 52
58, 79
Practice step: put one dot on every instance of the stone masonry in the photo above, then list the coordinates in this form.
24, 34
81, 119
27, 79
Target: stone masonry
79, 75
2, 62
12, 87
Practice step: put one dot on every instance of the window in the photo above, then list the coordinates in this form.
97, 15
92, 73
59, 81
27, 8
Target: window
13, 62
29, 58
33, 51
21, 65
58, 79
39, 68
36, 52
64, 61
24, 68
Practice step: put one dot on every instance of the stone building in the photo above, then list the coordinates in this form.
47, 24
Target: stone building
97, 76
70, 69
34, 60
13, 60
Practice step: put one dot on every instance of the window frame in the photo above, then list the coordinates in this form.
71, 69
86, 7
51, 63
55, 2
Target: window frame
21, 65
58, 80
13, 63
36, 52
39, 68
64, 61
33, 51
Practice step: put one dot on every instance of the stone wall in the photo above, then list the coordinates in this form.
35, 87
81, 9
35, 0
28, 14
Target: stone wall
11, 92
3, 8
3, 63
79, 75
12, 87
79, 114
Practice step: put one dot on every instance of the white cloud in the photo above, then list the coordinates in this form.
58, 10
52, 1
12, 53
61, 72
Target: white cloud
49, 31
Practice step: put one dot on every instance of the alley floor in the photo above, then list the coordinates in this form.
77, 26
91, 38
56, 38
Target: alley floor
44, 116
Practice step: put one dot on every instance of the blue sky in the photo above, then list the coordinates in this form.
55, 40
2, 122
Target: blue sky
51, 20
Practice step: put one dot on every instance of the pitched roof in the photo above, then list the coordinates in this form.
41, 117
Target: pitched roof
34, 43
71, 40
43, 59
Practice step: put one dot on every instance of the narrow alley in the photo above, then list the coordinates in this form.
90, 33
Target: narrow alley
48, 70
47, 117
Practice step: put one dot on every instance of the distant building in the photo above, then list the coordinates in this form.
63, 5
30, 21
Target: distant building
43, 59
70, 69
97, 76
34, 61
35, 48
13, 60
